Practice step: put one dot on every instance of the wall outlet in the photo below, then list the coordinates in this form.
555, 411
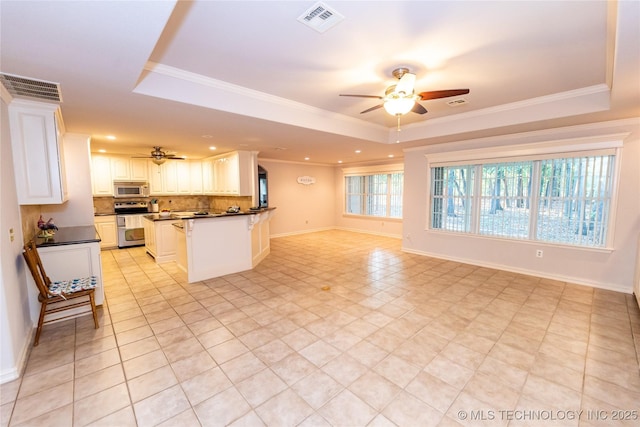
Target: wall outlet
539, 253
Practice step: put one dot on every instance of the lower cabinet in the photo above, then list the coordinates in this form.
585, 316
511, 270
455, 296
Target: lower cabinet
160, 240
107, 228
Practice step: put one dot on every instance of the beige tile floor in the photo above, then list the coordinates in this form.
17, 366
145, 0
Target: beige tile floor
399, 339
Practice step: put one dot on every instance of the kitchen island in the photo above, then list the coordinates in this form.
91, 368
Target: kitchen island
210, 245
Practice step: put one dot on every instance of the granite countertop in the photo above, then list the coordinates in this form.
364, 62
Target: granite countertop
192, 215
104, 213
70, 236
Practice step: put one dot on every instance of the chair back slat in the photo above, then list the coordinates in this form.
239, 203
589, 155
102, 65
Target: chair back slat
34, 263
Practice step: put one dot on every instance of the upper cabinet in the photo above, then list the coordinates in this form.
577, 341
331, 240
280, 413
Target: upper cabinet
232, 174
38, 156
101, 181
106, 169
128, 169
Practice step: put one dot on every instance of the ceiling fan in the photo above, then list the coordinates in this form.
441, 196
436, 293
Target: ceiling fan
400, 98
159, 157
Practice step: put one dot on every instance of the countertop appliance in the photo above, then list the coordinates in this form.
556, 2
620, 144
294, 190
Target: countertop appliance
130, 189
129, 220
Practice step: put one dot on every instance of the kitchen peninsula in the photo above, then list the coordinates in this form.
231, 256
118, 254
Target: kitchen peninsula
209, 245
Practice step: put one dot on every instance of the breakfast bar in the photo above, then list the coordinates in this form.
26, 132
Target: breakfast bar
209, 245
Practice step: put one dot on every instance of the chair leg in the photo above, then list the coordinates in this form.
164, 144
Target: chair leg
43, 309
93, 309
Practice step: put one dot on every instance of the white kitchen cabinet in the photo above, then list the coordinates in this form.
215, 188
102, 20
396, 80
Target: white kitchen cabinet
160, 239
138, 169
183, 177
155, 179
149, 236
195, 176
128, 169
107, 228
38, 156
232, 174
101, 181
169, 172
207, 176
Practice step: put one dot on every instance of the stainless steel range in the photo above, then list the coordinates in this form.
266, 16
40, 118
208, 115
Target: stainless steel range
129, 219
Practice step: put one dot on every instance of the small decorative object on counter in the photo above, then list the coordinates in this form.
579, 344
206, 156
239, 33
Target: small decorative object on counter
154, 205
48, 228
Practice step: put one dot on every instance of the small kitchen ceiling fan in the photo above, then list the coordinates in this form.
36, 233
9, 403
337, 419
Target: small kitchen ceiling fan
159, 157
400, 98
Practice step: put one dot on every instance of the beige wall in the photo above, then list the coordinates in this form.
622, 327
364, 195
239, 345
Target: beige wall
15, 323
606, 269
300, 208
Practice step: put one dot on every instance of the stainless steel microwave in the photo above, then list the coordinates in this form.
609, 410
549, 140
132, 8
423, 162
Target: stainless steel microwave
122, 189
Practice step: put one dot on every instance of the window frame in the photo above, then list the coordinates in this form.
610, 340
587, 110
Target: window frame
369, 171
591, 146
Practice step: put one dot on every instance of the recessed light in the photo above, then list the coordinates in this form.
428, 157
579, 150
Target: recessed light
212, 148
207, 136
390, 155
102, 150
306, 158
358, 151
339, 161
111, 137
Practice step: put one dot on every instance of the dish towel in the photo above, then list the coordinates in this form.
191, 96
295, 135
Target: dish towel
132, 221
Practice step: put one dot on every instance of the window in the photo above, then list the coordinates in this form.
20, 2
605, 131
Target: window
563, 200
377, 195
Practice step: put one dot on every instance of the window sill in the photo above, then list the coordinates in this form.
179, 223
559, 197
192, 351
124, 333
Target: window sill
371, 217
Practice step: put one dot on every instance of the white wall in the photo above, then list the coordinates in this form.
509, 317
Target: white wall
78, 210
299, 208
15, 323
606, 269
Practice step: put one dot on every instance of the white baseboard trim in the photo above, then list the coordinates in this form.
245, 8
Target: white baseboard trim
354, 230
561, 278
296, 233
21, 363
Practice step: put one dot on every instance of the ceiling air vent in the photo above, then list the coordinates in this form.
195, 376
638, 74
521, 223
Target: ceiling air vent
320, 17
30, 88
457, 102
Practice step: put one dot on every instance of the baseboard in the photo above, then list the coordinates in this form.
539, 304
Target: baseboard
354, 230
21, 363
561, 278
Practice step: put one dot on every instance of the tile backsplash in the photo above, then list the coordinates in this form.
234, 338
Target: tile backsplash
180, 203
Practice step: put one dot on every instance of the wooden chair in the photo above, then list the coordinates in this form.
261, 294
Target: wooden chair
59, 291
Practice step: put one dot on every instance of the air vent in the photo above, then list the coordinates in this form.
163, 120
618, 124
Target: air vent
457, 102
30, 88
320, 17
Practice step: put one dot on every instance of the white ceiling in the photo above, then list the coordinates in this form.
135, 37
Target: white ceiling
252, 77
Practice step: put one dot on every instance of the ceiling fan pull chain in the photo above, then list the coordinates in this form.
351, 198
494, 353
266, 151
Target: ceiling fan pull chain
398, 131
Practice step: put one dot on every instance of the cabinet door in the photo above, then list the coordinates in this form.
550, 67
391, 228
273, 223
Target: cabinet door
149, 236
232, 175
169, 172
155, 179
108, 231
120, 168
101, 180
195, 177
36, 138
183, 176
165, 240
207, 176
138, 170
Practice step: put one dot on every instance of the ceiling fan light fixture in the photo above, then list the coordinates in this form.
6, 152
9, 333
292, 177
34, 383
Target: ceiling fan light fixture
399, 106
158, 160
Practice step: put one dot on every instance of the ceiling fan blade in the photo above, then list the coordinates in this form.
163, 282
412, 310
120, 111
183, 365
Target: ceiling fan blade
436, 94
406, 83
371, 109
363, 96
417, 108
